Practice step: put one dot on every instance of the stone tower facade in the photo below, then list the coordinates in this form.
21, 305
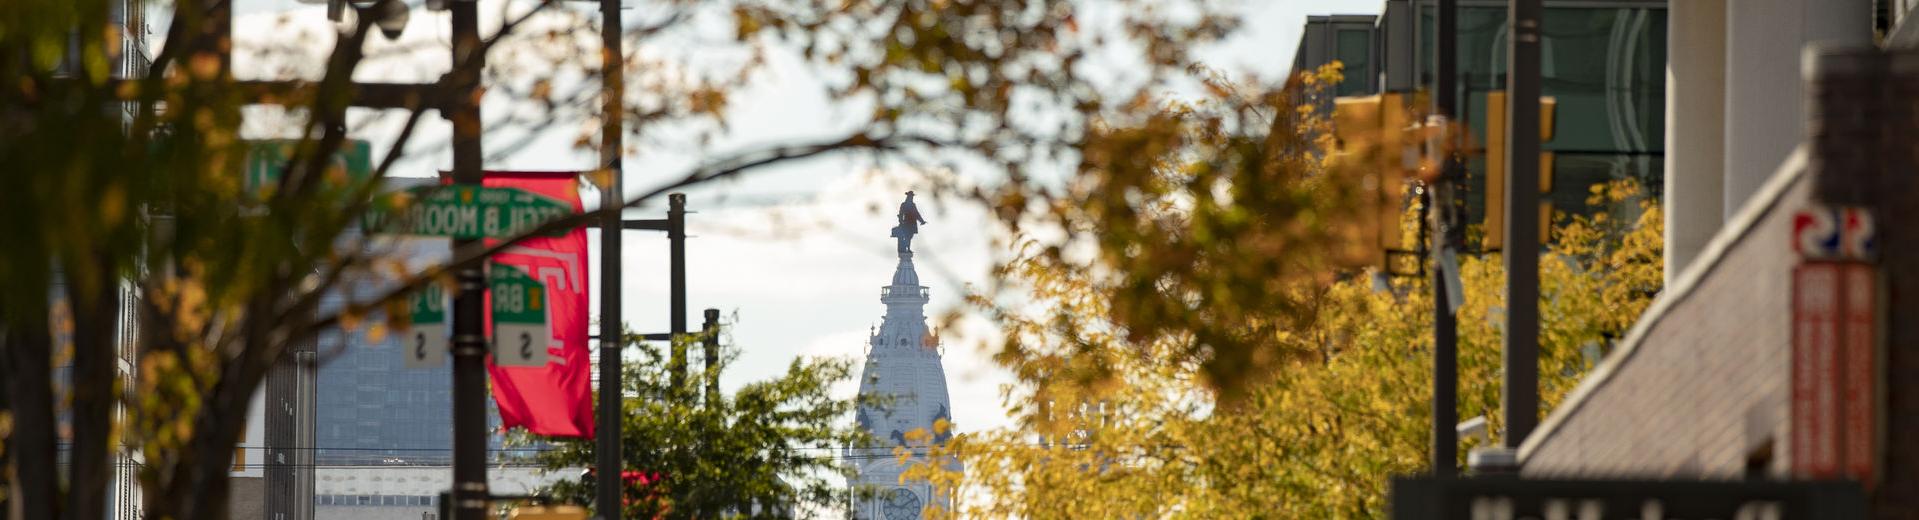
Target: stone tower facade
902, 389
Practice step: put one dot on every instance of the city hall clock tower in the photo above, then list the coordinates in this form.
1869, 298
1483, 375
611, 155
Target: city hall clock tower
902, 389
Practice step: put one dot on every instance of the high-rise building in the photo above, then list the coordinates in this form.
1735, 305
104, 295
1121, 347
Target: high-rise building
372, 410
372, 415
124, 496
902, 389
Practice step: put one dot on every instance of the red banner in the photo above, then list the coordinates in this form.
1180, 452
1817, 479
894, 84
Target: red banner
555, 399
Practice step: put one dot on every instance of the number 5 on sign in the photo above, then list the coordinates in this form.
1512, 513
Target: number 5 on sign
425, 345
520, 333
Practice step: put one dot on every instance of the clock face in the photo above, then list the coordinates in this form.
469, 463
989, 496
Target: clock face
901, 504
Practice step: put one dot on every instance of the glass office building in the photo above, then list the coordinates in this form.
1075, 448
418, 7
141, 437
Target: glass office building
1603, 62
369, 409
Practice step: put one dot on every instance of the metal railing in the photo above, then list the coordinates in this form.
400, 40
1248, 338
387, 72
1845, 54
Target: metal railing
887, 292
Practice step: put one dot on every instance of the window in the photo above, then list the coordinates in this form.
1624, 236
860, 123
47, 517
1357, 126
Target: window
1354, 48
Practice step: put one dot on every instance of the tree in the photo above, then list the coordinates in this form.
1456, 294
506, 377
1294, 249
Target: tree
1206, 213
1113, 421
768, 450
228, 277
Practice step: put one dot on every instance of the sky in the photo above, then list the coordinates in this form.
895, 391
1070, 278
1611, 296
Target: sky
794, 256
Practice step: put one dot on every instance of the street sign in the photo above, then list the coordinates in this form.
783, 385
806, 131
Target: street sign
426, 343
1427, 498
520, 331
267, 158
462, 211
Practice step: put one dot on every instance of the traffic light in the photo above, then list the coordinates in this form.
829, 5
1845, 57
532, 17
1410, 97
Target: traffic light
1495, 152
1372, 148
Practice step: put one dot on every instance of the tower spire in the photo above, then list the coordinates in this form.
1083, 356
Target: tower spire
902, 387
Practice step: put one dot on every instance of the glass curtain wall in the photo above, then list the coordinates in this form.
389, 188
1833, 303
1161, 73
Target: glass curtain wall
372, 410
1602, 62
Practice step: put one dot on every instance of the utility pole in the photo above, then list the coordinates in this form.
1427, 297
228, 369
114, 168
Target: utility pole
676, 236
470, 493
1440, 206
710, 340
675, 227
612, 79
1521, 352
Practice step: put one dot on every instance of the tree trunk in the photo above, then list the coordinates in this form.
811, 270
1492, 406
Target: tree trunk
31, 443
96, 312
206, 478
196, 482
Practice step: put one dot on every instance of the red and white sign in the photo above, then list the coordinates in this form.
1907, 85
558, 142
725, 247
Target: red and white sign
554, 399
1858, 370
1858, 236
1834, 232
1834, 370
1815, 343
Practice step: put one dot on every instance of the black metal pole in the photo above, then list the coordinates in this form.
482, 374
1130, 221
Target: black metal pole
1440, 206
676, 236
469, 342
1445, 450
710, 341
612, 78
1521, 387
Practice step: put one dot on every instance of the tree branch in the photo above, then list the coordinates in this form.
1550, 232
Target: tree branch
472, 255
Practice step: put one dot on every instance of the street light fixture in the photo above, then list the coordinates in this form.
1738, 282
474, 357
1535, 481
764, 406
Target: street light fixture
390, 16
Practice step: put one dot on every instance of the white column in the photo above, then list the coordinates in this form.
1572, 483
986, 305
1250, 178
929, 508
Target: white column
1695, 127
1765, 97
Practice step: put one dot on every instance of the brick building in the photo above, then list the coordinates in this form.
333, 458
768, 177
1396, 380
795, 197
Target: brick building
1703, 387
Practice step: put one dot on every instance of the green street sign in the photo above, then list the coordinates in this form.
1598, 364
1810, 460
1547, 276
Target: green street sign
267, 158
425, 345
463, 212
520, 332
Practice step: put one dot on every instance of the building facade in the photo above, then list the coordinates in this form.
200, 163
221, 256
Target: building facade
346, 403
902, 391
410, 492
130, 60
1771, 124
369, 407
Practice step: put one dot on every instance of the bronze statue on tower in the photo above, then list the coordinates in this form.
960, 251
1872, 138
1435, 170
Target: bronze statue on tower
909, 223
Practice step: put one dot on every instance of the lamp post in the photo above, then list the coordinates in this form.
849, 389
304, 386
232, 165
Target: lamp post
470, 493
612, 76
1521, 351
1441, 208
